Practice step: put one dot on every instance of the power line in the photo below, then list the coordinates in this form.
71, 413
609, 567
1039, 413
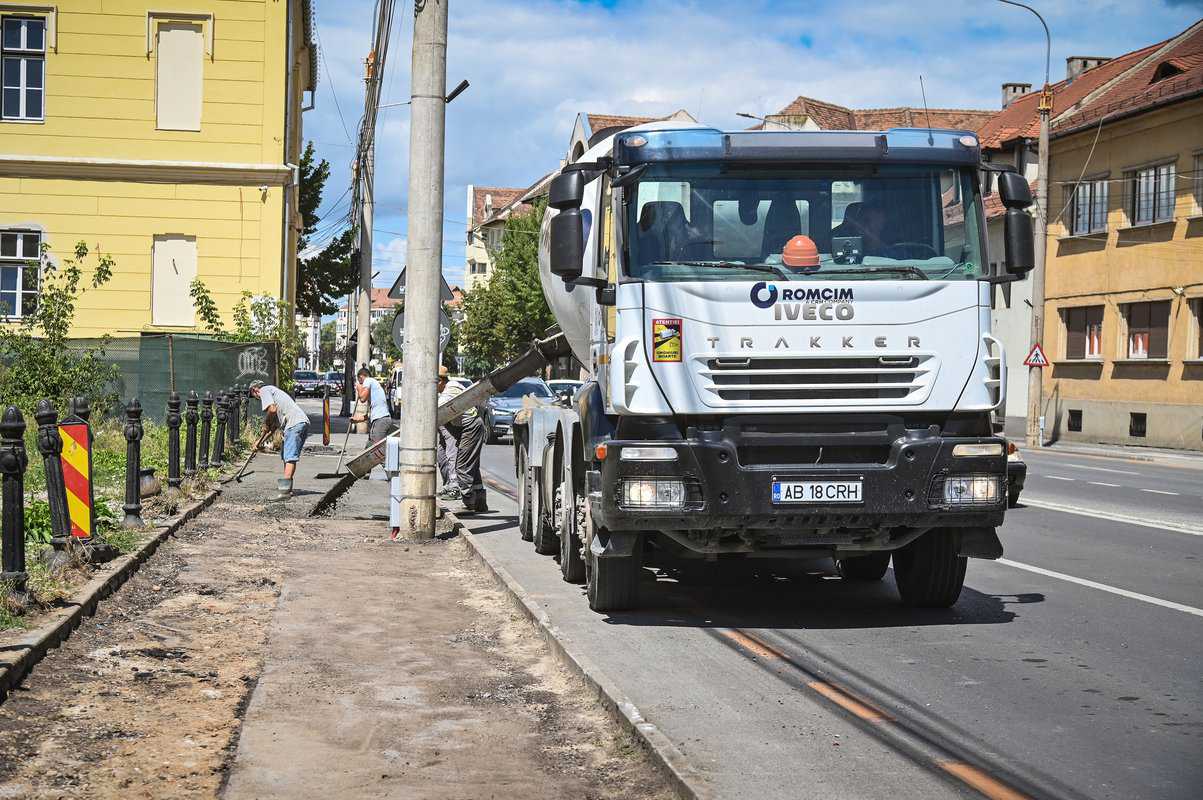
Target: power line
321, 49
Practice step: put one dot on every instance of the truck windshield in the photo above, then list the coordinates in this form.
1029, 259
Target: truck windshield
705, 222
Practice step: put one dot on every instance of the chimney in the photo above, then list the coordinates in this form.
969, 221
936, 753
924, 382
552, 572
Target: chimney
1012, 90
1076, 65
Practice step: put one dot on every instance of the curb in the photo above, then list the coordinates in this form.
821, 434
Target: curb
672, 763
19, 657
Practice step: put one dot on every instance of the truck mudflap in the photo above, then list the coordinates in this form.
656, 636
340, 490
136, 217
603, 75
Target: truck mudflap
724, 479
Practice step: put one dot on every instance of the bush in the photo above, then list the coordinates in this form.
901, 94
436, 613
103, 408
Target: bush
35, 361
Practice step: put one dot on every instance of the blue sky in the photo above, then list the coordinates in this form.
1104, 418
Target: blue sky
534, 64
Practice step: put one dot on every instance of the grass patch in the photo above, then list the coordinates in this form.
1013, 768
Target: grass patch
125, 540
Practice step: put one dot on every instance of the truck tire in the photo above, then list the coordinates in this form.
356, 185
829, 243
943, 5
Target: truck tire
611, 584
547, 543
525, 527
863, 568
572, 563
928, 571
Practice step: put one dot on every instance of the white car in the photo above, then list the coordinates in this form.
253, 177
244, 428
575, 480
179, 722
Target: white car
564, 388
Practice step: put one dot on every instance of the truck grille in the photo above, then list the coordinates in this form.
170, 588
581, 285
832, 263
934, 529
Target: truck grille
827, 380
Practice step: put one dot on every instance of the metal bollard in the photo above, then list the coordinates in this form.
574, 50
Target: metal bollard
50, 445
133, 465
219, 440
190, 417
206, 428
13, 462
81, 408
232, 426
173, 440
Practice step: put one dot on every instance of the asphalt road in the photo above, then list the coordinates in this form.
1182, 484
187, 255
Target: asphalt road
1070, 669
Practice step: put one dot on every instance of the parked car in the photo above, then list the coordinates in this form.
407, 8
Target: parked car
335, 381
564, 388
307, 382
500, 409
1017, 473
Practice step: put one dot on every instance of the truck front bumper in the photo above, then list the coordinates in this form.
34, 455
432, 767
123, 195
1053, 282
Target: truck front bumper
723, 486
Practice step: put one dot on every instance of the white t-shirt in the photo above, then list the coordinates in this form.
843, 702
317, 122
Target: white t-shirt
376, 399
287, 411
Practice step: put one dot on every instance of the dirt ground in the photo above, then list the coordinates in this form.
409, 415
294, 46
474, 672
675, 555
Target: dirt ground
261, 656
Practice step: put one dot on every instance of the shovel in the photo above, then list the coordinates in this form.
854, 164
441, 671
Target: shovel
247, 463
324, 476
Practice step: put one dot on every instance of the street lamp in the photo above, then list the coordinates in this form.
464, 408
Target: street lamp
1035, 411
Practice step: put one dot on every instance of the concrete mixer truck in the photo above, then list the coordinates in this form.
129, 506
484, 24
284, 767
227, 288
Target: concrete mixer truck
788, 342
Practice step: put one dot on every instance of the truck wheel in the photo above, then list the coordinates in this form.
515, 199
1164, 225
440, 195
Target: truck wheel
928, 571
525, 527
572, 564
613, 583
547, 543
863, 568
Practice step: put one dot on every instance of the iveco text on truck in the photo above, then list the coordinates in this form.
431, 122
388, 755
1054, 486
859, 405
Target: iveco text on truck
788, 336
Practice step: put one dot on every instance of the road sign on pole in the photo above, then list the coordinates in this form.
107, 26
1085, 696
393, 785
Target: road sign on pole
399, 330
398, 290
1036, 357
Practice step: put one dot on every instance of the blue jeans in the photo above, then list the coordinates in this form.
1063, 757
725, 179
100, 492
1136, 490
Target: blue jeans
294, 440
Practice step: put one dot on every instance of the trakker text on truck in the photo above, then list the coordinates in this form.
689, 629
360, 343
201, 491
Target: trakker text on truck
789, 340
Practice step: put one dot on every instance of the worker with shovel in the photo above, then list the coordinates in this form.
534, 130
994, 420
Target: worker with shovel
282, 412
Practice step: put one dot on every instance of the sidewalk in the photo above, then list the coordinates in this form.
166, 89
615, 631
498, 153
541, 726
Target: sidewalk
1015, 429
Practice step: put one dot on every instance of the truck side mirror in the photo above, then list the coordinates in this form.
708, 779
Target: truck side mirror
567, 249
1018, 244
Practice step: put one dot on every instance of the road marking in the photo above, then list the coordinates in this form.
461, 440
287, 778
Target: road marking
1100, 483
1161, 525
1159, 491
1144, 598
1057, 478
1103, 469
847, 702
752, 646
989, 786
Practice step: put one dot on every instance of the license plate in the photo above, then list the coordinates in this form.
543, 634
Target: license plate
817, 492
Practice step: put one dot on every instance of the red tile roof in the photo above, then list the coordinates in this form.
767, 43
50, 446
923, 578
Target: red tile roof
993, 204
1137, 90
1021, 119
599, 122
502, 197
830, 116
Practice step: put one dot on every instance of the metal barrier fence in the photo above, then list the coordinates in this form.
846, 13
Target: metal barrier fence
155, 364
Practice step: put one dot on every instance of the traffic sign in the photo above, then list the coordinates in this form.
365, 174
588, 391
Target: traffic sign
398, 290
1036, 357
399, 330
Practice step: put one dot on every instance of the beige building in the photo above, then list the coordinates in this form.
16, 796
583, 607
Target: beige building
1124, 269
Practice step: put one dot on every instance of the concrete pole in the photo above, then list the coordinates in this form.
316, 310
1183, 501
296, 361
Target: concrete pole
1035, 433
423, 272
363, 347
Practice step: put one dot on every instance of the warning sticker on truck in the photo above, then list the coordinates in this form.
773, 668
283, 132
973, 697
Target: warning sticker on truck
666, 340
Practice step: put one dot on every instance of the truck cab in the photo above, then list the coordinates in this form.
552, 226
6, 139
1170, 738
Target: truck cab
789, 337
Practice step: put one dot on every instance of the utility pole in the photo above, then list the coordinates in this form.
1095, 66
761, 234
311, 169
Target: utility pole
1035, 410
364, 318
424, 269
1035, 415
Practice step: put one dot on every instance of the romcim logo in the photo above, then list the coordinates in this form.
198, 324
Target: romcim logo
807, 303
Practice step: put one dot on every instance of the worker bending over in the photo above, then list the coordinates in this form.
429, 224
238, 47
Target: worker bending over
469, 433
281, 411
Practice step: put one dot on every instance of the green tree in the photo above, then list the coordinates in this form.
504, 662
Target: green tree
256, 319
326, 340
503, 316
327, 273
36, 359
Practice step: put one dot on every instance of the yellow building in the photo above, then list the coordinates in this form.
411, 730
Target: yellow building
165, 134
1124, 274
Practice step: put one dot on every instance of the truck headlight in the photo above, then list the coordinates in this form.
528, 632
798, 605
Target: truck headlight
961, 490
652, 493
982, 449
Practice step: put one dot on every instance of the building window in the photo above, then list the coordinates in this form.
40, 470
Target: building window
1084, 332
1148, 329
20, 272
1075, 420
179, 76
1152, 194
1138, 425
174, 268
1198, 188
1198, 306
1089, 208
24, 56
